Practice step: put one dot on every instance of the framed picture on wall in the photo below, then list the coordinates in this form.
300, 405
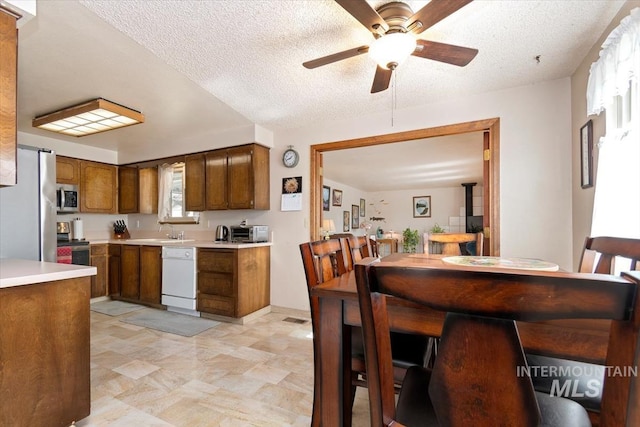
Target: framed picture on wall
355, 217
345, 220
336, 200
362, 207
422, 207
586, 155
326, 194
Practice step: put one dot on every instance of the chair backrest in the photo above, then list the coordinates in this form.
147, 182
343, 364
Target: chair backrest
451, 242
599, 254
474, 379
322, 260
373, 245
358, 249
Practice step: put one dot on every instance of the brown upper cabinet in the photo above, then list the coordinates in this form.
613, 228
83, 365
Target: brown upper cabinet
8, 98
231, 178
98, 187
67, 170
194, 183
137, 190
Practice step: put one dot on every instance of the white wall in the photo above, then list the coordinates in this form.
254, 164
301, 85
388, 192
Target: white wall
535, 205
535, 182
350, 196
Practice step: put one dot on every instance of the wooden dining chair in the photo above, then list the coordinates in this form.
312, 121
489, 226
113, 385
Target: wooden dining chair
451, 242
599, 255
480, 377
324, 260
359, 248
373, 245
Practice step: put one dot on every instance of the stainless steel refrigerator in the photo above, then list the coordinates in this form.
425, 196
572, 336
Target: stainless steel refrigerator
28, 209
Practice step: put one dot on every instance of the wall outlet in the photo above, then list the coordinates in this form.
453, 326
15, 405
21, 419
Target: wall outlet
208, 223
137, 223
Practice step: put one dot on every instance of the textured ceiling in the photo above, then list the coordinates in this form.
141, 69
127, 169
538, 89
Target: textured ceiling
196, 68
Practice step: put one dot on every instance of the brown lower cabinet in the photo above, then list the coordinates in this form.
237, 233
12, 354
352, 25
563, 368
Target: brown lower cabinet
99, 260
114, 269
45, 359
141, 273
233, 282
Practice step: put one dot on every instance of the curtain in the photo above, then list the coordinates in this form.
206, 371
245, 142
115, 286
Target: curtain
616, 206
165, 179
618, 64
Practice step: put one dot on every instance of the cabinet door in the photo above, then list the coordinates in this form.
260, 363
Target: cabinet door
98, 187
248, 177
8, 98
150, 274
130, 271
127, 190
67, 170
194, 194
99, 260
240, 176
216, 179
114, 269
148, 190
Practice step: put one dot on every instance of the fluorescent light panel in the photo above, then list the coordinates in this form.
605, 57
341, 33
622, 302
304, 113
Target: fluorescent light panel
91, 117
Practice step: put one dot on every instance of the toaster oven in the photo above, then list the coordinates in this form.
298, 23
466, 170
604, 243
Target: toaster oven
249, 233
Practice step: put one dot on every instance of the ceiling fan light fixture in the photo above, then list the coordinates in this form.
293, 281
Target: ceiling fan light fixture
391, 50
91, 117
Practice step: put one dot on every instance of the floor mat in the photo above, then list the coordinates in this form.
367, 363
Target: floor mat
173, 323
114, 308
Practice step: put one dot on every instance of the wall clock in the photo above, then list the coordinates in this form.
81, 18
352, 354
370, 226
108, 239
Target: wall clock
290, 157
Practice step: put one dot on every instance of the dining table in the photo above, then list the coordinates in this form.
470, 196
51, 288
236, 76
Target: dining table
577, 339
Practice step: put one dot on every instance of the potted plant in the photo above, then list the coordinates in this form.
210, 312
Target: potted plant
435, 247
410, 240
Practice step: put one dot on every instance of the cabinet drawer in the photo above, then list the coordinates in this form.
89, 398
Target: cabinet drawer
216, 305
97, 250
216, 261
215, 283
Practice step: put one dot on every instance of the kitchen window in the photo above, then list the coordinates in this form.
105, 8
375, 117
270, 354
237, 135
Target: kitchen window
613, 87
171, 196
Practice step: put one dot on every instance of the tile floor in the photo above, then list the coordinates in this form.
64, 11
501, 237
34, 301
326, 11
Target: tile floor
258, 374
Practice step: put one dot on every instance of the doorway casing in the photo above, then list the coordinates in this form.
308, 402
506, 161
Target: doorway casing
491, 162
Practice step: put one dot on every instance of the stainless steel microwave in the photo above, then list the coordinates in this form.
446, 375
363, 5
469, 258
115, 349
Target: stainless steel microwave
68, 198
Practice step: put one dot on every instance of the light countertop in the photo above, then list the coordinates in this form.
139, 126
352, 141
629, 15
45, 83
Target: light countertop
17, 272
182, 243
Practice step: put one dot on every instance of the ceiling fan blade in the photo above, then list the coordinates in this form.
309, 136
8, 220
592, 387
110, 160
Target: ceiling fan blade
381, 79
451, 54
364, 13
335, 57
434, 12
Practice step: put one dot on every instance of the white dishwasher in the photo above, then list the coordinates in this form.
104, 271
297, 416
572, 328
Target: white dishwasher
179, 279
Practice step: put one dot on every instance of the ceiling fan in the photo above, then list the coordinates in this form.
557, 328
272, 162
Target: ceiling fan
394, 26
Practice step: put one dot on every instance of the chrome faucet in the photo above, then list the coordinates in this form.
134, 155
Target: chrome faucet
173, 234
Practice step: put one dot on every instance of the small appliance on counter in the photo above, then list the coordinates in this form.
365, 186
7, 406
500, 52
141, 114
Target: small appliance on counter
71, 251
222, 233
249, 233
63, 231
